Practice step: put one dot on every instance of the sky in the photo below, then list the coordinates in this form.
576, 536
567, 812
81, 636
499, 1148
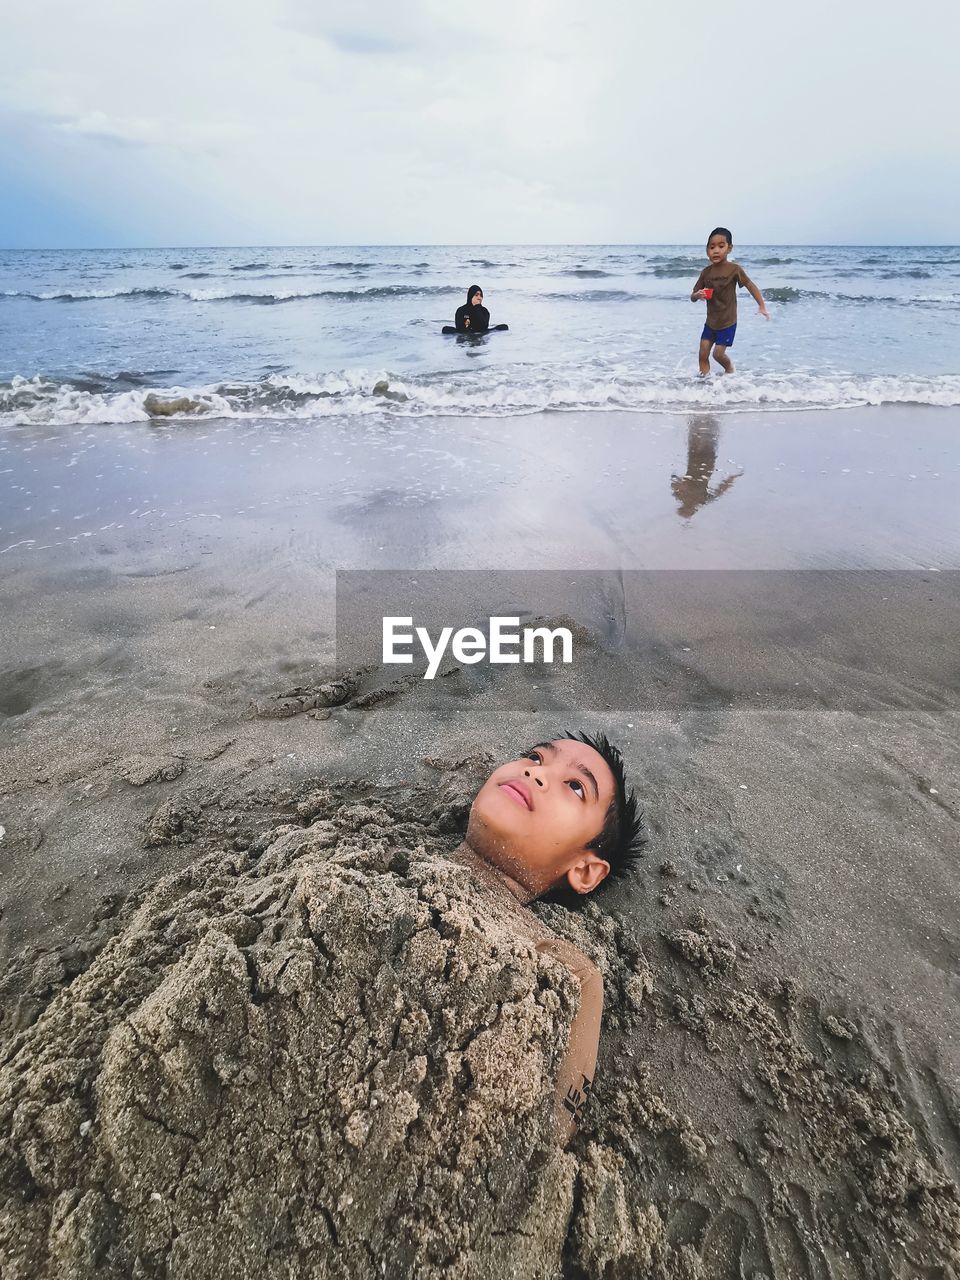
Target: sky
262, 122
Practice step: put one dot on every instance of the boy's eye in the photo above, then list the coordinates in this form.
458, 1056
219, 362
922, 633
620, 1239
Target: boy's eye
577, 787
535, 756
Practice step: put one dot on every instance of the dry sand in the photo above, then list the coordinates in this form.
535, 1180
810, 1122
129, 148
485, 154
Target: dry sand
200, 829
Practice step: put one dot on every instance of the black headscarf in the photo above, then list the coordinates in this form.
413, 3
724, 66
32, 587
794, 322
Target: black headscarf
479, 317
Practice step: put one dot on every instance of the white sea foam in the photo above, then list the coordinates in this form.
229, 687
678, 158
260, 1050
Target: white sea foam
494, 393
781, 296
371, 293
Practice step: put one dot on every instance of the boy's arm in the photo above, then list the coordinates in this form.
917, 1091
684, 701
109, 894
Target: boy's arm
575, 1076
696, 293
755, 293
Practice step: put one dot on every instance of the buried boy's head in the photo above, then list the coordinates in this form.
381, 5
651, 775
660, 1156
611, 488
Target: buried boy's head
560, 813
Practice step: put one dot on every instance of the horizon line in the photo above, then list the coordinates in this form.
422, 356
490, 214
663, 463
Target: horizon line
503, 244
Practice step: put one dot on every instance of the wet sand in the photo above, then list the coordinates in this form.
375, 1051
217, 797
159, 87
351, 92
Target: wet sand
794, 736
860, 488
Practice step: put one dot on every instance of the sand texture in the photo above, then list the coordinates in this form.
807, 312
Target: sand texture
313, 1061
327, 1055
227, 927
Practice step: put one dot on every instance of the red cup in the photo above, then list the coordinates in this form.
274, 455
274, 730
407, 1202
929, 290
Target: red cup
708, 294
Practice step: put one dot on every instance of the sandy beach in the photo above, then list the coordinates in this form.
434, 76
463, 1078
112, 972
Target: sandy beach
768, 617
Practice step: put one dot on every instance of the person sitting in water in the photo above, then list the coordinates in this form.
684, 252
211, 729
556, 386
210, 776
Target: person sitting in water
557, 817
473, 316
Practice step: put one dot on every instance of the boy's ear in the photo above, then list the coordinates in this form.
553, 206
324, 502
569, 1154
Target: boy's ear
587, 872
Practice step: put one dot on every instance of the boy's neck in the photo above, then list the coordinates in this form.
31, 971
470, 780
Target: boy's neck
491, 874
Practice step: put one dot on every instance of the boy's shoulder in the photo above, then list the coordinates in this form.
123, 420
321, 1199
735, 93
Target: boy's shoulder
570, 955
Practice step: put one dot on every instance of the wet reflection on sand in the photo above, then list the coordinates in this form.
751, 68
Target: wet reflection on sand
692, 490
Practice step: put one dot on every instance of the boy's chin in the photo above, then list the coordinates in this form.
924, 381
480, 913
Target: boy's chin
489, 834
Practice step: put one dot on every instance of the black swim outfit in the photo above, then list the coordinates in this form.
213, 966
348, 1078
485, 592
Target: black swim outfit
478, 317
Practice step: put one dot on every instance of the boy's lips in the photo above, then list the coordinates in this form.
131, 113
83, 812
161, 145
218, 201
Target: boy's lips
519, 791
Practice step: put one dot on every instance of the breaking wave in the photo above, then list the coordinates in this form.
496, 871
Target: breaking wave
232, 295
788, 294
678, 271
122, 397
597, 295
373, 293
586, 273
92, 295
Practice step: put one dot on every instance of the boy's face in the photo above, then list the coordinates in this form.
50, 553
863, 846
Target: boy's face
534, 817
718, 247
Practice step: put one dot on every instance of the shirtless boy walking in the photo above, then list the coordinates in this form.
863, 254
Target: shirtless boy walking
717, 286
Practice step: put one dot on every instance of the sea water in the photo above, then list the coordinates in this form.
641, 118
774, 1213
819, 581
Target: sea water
309, 333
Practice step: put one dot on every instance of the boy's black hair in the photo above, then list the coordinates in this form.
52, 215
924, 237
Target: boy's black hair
622, 836
721, 231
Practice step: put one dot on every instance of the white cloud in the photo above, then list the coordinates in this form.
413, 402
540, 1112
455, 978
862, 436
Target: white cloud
504, 120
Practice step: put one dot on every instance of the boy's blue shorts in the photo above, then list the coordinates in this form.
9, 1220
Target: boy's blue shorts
722, 337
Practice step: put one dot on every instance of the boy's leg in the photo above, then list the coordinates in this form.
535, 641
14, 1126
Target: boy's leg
705, 345
722, 359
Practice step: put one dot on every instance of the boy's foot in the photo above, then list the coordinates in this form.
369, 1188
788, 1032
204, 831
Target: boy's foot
731, 368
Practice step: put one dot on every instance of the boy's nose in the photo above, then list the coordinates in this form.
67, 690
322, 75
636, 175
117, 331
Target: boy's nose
534, 777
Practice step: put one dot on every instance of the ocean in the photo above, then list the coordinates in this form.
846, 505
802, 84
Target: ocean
279, 333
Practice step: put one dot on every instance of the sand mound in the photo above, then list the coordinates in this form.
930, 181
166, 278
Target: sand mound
325, 1056
311, 1062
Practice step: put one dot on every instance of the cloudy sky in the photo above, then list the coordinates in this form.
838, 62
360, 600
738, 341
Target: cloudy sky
126, 122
